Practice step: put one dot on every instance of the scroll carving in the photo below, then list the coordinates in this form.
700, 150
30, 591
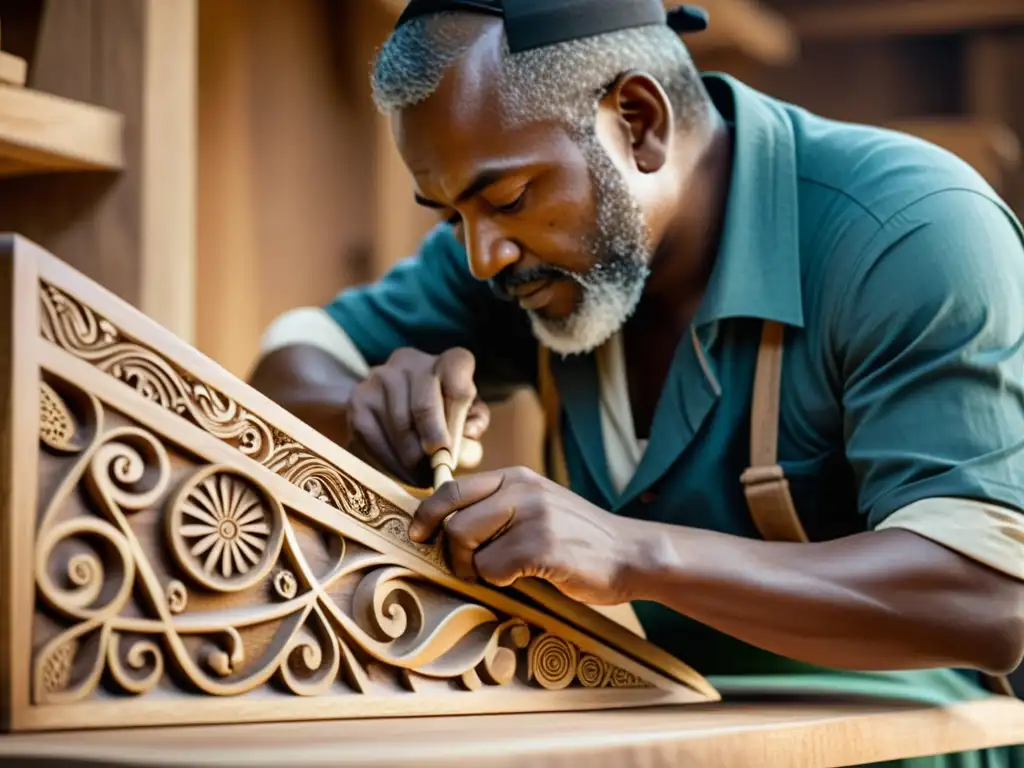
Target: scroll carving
82, 332
156, 572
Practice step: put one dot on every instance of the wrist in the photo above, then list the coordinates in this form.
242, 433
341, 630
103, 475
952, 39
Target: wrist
647, 560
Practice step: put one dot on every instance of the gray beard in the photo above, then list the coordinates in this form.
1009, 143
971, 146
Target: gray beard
612, 288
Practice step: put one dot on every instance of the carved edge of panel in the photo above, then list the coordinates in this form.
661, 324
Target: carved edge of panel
226, 534
84, 333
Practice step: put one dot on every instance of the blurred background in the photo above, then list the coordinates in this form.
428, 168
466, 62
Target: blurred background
217, 162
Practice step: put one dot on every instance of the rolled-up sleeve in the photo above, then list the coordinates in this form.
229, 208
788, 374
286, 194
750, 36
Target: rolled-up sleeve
929, 344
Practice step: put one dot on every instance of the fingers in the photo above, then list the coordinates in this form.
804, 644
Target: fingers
367, 430
400, 411
478, 420
468, 530
452, 497
397, 418
426, 409
455, 370
508, 558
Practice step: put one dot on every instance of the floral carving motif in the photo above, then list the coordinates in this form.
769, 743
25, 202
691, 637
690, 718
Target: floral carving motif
80, 331
225, 532
325, 630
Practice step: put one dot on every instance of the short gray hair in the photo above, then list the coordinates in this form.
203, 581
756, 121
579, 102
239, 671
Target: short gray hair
564, 82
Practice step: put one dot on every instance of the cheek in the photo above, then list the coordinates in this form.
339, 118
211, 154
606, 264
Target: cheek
566, 222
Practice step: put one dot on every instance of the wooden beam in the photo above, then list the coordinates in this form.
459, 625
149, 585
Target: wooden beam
888, 18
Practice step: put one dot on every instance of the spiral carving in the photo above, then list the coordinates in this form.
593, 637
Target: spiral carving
552, 661
592, 672
85, 570
131, 470
386, 607
141, 653
285, 584
177, 597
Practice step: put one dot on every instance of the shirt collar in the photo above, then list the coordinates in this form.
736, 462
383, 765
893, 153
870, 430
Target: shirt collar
757, 272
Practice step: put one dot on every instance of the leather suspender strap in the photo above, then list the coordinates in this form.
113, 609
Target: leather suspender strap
764, 483
552, 405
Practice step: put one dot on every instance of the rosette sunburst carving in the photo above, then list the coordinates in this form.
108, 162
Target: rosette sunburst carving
225, 531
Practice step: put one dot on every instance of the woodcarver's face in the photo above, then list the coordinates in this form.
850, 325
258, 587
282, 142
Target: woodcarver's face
547, 217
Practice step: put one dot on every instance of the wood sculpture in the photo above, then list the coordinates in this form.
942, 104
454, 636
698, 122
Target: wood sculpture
179, 549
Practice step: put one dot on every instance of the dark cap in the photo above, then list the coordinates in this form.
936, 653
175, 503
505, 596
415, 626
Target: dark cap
536, 23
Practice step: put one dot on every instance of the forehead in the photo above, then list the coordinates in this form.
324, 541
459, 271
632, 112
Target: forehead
447, 138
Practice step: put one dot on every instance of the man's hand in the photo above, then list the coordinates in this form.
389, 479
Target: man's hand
510, 524
398, 413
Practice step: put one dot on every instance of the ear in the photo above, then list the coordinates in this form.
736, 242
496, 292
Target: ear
644, 115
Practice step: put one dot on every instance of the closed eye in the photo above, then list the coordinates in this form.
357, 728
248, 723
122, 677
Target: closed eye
515, 206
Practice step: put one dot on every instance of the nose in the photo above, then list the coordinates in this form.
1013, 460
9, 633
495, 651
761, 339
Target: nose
490, 252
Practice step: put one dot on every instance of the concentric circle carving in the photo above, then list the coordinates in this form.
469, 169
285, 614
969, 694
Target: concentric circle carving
224, 530
552, 661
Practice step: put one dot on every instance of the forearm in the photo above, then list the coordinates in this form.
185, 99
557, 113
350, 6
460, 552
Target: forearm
884, 600
310, 384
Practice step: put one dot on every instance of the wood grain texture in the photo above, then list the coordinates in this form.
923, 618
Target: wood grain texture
766, 735
200, 553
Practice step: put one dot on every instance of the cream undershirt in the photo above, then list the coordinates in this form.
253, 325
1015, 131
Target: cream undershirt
984, 532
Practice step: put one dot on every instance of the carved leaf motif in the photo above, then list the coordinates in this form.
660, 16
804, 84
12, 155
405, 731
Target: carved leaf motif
56, 424
56, 668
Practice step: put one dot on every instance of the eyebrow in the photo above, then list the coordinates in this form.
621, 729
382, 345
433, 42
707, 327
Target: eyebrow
481, 181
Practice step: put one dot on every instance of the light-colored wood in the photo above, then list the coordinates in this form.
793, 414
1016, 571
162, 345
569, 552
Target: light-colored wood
286, 208
990, 147
13, 69
889, 18
182, 534
807, 735
168, 253
40, 133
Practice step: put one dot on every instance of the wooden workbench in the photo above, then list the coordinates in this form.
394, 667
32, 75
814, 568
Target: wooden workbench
792, 734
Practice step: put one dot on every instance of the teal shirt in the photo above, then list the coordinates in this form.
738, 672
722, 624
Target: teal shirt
899, 275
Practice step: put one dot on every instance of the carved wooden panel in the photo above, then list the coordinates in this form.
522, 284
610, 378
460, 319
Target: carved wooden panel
181, 550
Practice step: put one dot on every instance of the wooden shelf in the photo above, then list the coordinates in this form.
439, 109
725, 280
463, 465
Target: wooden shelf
40, 133
888, 18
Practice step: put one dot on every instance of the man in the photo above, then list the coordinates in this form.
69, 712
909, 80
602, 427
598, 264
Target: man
646, 225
